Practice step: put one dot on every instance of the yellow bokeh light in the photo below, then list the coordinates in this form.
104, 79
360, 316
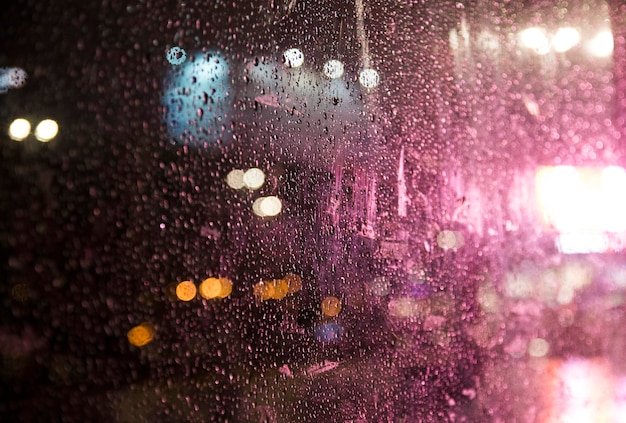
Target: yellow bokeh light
141, 335
264, 291
210, 288
331, 306
281, 289
294, 282
226, 288
186, 291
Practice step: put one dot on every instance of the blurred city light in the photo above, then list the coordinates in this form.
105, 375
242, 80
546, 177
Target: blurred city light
565, 39
403, 307
227, 288
602, 44
12, 78
333, 69
210, 288
197, 100
46, 130
234, 179
331, 306
583, 390
293, 58
538, 347
582, 203
380, 286
141, 335
254, 178
535, 38
186, 291
281, 289
267, 206
294, 282
19, 129
263, 290
449, 240
328, 332
369, 78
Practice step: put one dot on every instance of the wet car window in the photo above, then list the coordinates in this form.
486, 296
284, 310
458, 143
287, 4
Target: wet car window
313, 211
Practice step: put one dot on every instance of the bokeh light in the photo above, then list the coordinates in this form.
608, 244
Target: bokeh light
263, 291
602, 44
333, 69
227, 288
565, 39
403, 307
294, 282
293, 58
210, 288
46, 130
538, 347
234, 179
141, 335
536, 39
19, 129
449, 240
254, 178
186, 291
281, 289
267, 206
331, 306
369, 78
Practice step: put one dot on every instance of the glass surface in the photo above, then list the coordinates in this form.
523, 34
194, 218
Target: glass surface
313, 211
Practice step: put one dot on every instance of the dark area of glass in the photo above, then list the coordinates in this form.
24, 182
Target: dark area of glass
431, 289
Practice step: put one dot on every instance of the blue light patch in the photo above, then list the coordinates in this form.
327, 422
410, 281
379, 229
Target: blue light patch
198, 100
328, 332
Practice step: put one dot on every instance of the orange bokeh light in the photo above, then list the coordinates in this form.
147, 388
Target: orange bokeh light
331, 306
141, 335
186, 291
